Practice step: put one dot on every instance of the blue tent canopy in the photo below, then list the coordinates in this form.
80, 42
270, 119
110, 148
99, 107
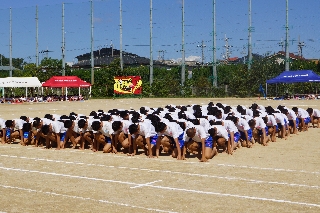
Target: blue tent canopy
295, 77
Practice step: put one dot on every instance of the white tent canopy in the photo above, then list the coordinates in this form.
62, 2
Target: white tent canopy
20, 82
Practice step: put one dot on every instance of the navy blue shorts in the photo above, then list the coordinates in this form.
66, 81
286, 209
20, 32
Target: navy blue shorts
180, 139
260, 131
107, 139
62, 136
236, 137
307, 120
8, 133
243, 136
26, 135
153, 140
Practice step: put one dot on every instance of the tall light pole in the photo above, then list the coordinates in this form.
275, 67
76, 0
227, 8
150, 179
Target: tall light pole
10, 45
287, 37
151, 50
92, 58
121, 58
183, 67
63, 44
249, 38
214, 62
37, 37
202, 46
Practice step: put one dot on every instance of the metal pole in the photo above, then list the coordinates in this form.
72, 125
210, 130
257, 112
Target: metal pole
63, 44
287, 37
92, 58
151, 51
214, 63
121, 59
37, 37
10, 73
183, 72
249, 38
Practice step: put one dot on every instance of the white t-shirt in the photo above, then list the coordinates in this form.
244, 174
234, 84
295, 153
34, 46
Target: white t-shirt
271, 120
243, 125
230, 126
302, 113
221, 131
259, 123
2, 124
173, 130
19, 123
200, 134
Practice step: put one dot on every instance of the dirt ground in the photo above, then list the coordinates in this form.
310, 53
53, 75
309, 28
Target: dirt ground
282, 177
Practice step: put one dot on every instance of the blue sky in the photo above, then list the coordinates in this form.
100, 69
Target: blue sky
268, 20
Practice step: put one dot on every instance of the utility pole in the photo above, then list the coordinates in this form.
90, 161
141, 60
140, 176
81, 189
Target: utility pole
227, 55
214, 63
249, 38
10, 73
121, 59
92, 58
281, 44
63, 44
151, 51
183, 67
202, 46
287, 68
300, 46
37, 37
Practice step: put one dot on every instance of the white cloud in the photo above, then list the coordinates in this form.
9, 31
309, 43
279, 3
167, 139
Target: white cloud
189, 58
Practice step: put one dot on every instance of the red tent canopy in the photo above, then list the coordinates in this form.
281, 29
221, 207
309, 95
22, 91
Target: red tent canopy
65, 81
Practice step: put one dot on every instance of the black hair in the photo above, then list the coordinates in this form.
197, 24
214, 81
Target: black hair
36, 123
68, 124
48, 116
182, 115
123, 114
160, 126
63, 117
23, 117
309, 110
81, 123
93, 113
133, 128
190, 131
116, 125
95, 125
182, 125
256, 113
45, 129
9, 123
217, 123
295, 109
251, 122
212, 132
105, 117
26, 127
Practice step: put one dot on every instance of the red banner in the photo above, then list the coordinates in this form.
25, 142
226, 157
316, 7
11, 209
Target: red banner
127, 85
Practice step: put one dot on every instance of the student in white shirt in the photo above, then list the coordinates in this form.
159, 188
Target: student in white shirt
170, 135
144, 136
314, 116
198, 140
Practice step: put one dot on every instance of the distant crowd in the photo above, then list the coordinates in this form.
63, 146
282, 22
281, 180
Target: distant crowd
49, 98
181, 131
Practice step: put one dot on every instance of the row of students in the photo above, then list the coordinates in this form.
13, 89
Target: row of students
178, 130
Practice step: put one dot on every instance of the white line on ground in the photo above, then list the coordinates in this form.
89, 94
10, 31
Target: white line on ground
166, 187
188, 162
146, 184
172, 172
84, 198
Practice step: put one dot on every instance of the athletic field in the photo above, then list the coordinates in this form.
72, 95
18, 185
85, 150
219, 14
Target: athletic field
282, 177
